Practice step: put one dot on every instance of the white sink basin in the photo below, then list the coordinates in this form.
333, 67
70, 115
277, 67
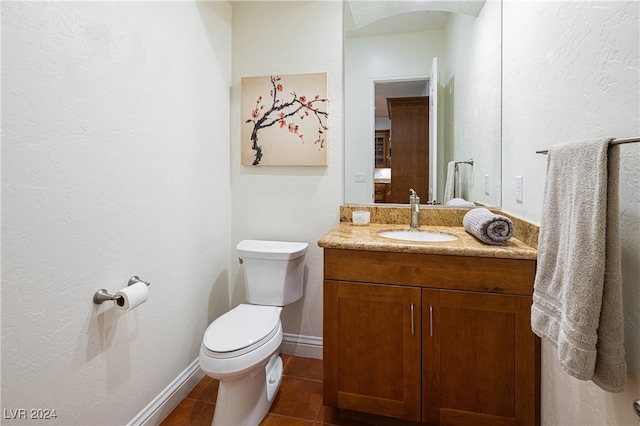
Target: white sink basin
416, 235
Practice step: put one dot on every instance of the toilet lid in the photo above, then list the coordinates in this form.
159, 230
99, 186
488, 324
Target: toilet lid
243, 326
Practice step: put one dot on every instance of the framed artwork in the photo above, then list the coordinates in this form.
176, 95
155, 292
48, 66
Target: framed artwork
284, 120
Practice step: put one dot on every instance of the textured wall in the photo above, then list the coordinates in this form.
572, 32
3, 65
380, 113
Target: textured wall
288, 203
114, 163
571, 71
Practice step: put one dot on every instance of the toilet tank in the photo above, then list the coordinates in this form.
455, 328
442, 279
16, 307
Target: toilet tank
274, 271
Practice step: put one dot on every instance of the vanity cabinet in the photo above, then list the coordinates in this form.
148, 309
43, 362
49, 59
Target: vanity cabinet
430, 338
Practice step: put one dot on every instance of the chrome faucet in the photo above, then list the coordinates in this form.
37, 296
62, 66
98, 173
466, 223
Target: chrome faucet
414, 200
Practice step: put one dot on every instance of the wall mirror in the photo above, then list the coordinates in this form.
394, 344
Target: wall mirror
446, 57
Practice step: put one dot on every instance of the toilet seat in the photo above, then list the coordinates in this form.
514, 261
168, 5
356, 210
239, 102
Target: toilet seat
243, 329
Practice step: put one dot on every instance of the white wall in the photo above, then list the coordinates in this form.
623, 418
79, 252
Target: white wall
367, 59
115, 162
288, 203
471, 89
571, 71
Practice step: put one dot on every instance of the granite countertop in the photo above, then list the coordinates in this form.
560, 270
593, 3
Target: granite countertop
348, 236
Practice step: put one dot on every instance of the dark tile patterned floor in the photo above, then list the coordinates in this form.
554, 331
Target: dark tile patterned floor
298, 403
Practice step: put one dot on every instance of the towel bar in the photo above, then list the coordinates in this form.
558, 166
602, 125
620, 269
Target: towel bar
613, 142
469, 162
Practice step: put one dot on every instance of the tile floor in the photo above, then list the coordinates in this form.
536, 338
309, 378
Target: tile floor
298, 403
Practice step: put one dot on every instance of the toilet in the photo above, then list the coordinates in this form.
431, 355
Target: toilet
241, 348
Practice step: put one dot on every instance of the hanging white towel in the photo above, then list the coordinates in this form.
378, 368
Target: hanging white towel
449, 187
577, 299
459, 202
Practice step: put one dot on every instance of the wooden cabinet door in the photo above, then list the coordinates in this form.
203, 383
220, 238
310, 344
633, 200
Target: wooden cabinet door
381, 148
381, 190
372, 355
479, 359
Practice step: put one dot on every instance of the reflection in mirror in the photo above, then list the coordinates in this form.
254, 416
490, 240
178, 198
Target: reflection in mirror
391, 46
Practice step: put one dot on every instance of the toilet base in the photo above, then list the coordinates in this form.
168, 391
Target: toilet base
245, 401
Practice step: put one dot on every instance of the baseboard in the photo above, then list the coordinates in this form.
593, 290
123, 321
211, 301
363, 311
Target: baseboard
163, 404
304, 346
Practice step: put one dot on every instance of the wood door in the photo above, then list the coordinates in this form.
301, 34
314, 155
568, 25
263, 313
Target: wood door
409, 147
479, 359
372, 348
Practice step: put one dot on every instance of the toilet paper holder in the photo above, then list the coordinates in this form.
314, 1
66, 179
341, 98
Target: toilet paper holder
103, 295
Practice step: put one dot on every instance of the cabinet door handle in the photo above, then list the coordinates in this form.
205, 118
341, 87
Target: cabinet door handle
431, 320
412, 327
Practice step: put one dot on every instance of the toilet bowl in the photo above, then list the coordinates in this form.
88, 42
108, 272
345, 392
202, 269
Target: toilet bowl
241, 347
241, 350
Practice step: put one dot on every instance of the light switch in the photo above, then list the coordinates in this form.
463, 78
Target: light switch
518, 182
360, 177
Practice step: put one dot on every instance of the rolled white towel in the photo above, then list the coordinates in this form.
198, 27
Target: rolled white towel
460, 202
490, 228
450, 184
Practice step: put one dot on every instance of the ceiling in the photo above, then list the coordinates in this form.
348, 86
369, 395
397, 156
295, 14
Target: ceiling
398, 89
401, 23
374, 17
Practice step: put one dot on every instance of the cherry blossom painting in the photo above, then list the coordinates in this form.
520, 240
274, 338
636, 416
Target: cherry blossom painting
284, 120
